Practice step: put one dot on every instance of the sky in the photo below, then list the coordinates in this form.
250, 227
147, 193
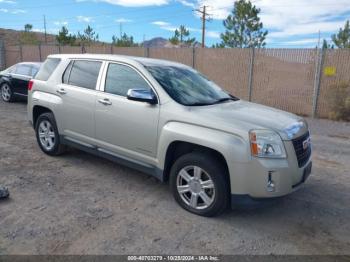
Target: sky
290, 23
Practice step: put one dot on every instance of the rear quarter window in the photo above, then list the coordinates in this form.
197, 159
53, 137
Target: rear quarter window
47, 69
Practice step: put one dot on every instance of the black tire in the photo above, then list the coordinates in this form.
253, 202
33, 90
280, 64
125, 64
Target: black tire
11, 96
57, 147
218, 174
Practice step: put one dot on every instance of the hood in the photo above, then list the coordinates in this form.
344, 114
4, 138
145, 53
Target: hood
247, 115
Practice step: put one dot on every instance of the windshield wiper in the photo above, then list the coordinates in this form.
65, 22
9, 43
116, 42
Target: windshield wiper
221, 100
199, 104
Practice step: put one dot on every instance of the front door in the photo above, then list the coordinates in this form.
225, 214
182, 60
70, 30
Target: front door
123, 126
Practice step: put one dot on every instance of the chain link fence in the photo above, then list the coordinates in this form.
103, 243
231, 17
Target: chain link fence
294, 80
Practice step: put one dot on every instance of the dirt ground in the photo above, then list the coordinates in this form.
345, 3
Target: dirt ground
81, 204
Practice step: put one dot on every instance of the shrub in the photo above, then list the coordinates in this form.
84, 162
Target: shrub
339, 100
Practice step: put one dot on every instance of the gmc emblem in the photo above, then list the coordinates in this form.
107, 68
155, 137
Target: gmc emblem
306, 143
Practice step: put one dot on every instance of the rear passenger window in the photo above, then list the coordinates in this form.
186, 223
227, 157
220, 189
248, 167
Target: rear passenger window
121, 78
47, 68
24, 70
84, 74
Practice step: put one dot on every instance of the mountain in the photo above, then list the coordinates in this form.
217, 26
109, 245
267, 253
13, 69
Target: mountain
157, 42
162, 42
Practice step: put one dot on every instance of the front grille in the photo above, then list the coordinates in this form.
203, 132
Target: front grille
302, 154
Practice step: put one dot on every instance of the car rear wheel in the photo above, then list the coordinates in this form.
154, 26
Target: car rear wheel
6, 93
198, 182
47, 135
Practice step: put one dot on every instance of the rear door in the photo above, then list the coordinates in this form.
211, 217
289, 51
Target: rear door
78, 92
20, 79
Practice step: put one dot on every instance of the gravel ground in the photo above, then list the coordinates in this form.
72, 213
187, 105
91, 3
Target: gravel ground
82, 204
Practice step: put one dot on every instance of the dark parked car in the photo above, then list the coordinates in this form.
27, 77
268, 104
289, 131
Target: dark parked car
14, 80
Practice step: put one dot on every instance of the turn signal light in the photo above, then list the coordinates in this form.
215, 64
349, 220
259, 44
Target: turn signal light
30, 85
253, 144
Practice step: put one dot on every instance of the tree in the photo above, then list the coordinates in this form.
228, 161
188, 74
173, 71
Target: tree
342, 39
326, 45
64, 38
124, 41
28, 27
88, 36
179, 36
28, 37
243, 27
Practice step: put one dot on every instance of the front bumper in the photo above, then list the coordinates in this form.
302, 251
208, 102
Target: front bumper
263, 178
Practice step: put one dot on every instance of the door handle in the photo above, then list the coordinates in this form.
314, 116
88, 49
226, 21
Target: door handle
61, 91
105, 102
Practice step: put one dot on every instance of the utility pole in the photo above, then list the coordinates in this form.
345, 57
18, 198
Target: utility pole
45, 29
204, 19
121, 29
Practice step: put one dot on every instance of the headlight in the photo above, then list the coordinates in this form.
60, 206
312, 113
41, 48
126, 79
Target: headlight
266, 143
293, 129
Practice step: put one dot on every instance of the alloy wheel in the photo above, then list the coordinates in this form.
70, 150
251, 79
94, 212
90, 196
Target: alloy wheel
47, 135
195, 187
6, 92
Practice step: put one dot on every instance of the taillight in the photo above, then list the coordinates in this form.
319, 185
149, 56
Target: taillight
30, 85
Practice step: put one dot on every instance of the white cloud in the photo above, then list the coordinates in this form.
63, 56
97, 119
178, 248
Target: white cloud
286, 19
160, 23
84, 19
169, 27
131, 3
18, 11
187, 3
164, 25
14, 11
60, 23
123, 20
313, 41
7, 2
212, 34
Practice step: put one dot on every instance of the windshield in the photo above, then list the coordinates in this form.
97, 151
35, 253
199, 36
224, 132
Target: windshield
187, 86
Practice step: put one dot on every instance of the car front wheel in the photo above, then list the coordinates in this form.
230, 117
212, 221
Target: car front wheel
198, 182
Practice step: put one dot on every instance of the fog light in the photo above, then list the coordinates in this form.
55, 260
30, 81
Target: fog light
270, 183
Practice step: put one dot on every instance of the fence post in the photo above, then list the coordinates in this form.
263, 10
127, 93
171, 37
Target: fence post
20, 53
146, 51
318, 72
83, 51
251, 70
112, 49
2, 55
193, 57
39, 46
59, 48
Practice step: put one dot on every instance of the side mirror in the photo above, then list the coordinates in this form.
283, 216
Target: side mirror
142, 95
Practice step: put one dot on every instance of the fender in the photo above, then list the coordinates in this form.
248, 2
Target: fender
232, 147
43, 99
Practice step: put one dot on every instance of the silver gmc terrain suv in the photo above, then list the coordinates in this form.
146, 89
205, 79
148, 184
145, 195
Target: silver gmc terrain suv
170, 121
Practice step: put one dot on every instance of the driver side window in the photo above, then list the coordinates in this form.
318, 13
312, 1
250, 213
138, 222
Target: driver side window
121, 78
